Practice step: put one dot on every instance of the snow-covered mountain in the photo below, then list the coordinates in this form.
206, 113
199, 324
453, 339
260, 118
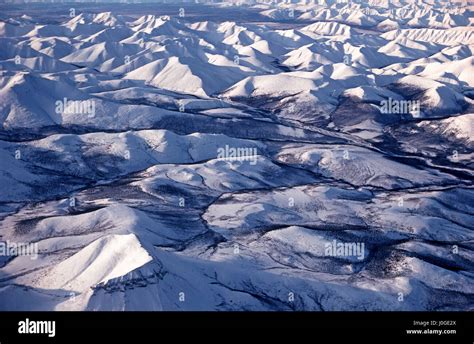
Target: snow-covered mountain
237, 155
